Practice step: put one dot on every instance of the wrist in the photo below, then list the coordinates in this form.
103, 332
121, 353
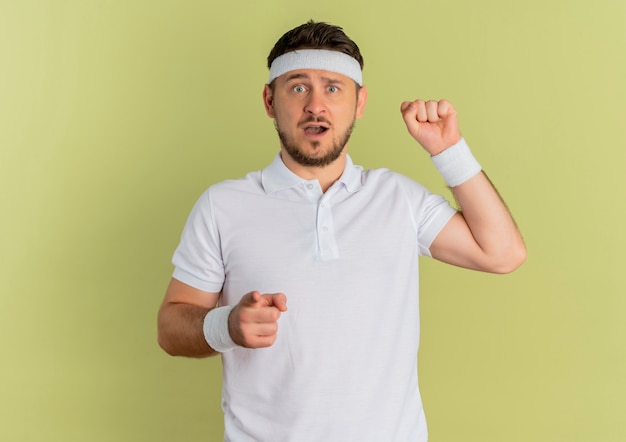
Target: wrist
456, 164
216, 330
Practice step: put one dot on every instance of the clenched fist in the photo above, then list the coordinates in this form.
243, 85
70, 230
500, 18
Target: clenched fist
432, 123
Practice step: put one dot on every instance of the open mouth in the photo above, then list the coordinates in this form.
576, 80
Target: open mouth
315, 130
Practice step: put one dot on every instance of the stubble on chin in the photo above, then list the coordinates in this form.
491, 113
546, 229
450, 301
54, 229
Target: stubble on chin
297, 154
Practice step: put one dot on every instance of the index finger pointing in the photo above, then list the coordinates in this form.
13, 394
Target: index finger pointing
278, 300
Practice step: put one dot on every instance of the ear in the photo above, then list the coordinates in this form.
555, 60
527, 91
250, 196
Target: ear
361, 99
268, 100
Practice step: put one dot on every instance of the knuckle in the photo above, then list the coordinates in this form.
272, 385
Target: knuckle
244, 317
269, 340
263, 342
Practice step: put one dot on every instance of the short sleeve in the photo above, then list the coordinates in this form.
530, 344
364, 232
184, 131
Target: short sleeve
434, 215
198, 259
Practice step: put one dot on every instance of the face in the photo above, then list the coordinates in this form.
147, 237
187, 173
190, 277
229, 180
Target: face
314, 112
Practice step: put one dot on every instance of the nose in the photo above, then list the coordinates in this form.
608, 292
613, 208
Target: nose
315, 103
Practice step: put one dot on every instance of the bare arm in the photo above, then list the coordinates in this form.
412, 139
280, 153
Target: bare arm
483, 235
180, 320
253, 322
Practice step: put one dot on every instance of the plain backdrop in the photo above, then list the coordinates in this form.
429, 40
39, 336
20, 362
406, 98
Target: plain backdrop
115, 115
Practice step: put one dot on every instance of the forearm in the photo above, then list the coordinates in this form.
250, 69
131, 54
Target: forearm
491, 224
483, 235
180, 330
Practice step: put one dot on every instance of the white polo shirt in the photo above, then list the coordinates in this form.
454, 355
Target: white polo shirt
344, 365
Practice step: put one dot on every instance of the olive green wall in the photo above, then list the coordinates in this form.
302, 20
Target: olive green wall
116, 115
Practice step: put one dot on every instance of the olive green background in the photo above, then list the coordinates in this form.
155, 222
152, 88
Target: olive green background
115, 115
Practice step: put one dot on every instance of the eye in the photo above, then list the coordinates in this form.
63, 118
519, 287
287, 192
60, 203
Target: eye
299, 89
333, 89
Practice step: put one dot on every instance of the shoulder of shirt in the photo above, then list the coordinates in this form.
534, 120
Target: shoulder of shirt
248, 182
388, 176
252, 183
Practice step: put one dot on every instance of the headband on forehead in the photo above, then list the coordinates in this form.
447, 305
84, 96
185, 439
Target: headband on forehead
323, 59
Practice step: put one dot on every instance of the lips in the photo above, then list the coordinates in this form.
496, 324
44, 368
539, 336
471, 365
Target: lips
315, 130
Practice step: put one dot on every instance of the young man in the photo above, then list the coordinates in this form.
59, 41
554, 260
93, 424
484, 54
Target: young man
337, 244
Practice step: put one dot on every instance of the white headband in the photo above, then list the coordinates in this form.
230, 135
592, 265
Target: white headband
323, 59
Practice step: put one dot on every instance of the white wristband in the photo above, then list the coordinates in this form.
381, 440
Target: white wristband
215, 329
456, 164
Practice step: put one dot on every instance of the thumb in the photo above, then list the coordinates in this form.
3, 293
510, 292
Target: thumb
251, 299
409, 115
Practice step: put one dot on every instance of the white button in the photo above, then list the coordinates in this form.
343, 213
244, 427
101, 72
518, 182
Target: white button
309, 186
323, 205
325, 228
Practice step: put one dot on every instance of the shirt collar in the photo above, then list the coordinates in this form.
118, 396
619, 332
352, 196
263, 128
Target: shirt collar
277, 176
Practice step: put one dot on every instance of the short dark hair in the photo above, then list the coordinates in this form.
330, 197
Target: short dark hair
312, 35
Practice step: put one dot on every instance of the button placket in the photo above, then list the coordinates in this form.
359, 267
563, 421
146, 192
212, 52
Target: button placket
327, 245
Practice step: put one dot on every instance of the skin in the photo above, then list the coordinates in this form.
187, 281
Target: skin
481, 236
301, 96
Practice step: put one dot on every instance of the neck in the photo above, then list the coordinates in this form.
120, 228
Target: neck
325, 175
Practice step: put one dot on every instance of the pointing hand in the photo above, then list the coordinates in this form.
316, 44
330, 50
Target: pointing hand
253, 323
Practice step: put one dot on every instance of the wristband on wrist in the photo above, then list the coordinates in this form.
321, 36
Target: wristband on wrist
456, 164
215, 328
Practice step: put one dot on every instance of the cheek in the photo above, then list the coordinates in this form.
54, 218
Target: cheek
286, 114
344, 115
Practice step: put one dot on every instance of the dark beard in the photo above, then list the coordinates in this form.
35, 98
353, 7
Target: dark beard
305, 160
